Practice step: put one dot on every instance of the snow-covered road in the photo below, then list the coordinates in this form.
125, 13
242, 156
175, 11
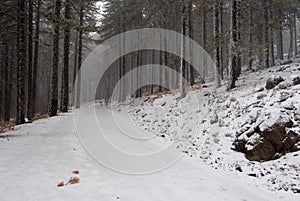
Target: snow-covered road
37, 156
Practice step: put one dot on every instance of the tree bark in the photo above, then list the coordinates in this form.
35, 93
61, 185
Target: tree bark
217, 41
295, 35
291, 39
30, 112
191, 53
183, 48
233, 70
267, 35
36, 53
79, 58
65, 86
250, 35
222, 44
21, 103
6, 84
239, 58
54, 80
272, 62
204, 42
279, 44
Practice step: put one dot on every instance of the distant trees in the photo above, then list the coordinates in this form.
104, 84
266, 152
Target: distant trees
44, 42
30, 34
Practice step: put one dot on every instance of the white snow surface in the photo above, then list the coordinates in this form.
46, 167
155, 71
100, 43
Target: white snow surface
36, 157
212, 119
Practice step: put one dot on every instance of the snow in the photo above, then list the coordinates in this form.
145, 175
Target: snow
36, 157
47, 151
237, 113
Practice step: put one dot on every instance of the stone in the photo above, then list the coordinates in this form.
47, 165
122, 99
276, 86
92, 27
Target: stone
272, 143
296, 81
273, 82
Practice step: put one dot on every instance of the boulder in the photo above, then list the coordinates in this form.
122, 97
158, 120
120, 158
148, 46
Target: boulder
273, 82
296, 81
268, 144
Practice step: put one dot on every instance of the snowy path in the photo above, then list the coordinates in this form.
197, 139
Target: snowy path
47, 151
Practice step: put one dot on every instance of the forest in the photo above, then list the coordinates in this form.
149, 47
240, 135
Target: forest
43, 44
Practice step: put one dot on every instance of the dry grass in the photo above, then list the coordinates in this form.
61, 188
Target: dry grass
73, 180
10, 125
7, 126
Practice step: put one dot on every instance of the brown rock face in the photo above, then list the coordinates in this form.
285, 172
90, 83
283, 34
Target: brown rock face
273, 82
272, 143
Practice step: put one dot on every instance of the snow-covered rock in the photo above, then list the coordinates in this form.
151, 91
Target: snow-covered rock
270, 143
273, 82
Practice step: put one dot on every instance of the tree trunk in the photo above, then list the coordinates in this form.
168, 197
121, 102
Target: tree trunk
217, 41
267, 35
279, 44
291, 40
36, 54
6, 84
239, 58
191, 53
75, 68
272, 63
30, 112
204, 42
79, 58
250, 35
54, 80
221, 41
272, 50
21, 103
295, 35
65, 86
11, 81
2, 69
233, 70
182, 64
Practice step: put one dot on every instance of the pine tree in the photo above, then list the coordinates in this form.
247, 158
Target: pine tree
54, 80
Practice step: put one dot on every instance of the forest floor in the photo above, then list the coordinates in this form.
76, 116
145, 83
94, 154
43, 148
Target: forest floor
36, 157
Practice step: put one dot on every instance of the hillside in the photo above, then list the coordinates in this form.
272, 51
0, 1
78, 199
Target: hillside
208, 122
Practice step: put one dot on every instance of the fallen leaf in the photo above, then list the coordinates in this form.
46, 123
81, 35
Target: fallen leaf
61, 184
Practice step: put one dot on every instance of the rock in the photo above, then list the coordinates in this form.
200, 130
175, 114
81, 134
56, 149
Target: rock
221, 123
296, 190
289, 107
214, 119
260, 89
289, 143
284, 96
296, 81
268, 144
252, 175
238, 168
297, 117
273, 82
261, 96
284, 85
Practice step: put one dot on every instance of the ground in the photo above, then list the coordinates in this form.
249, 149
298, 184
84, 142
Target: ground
36, 157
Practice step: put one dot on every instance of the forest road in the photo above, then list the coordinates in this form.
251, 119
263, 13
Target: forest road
36, 157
